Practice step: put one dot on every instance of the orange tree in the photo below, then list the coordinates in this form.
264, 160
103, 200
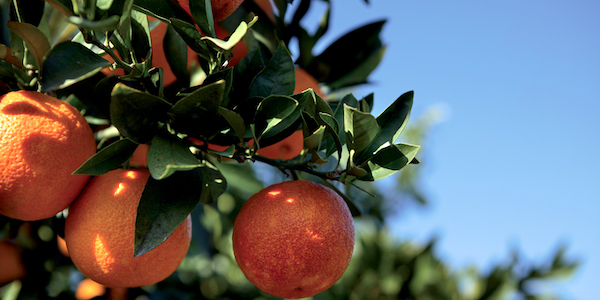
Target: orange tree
57, 47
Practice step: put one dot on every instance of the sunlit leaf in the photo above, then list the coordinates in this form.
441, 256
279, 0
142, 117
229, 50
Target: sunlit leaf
389, 160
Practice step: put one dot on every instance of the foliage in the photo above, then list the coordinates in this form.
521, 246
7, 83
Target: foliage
60, 47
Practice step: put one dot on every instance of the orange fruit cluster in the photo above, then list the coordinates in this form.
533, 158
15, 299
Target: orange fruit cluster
294, 239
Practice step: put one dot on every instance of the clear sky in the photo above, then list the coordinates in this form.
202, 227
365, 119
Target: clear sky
515, 162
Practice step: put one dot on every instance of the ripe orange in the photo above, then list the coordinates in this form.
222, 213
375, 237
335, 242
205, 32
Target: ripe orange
140, 156
42, 141
100, 230
304, 81
288, 148
293, 239
221, 8
11, 263
88, 289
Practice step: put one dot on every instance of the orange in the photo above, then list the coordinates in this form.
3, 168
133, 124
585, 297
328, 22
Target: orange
221, 8
287, 148
88, 289
293, 239
11, 263
100, 230
62, 246
42, 141
304, 81
140, 156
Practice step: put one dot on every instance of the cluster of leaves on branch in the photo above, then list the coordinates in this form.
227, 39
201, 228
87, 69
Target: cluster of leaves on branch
243, 107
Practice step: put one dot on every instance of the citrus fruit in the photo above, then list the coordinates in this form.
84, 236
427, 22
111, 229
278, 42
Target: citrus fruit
221, 9
304, 81
139, 158
287, 148
88, 289
42, 141
100, 231
11, 263
293, 239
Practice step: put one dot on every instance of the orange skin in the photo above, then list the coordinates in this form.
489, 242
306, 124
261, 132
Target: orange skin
11, 263
293, 239
100, 227
221, 8
42, 141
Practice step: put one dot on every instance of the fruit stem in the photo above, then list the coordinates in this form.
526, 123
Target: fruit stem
293, 167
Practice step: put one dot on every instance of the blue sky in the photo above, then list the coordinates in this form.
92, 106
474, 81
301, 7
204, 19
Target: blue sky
515, 162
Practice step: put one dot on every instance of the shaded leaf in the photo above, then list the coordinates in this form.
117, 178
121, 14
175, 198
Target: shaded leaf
235, 121
68, 63
6, 55
136, 114
271, 111
164, 205
277, 78
361, 128
198, 112
110, 157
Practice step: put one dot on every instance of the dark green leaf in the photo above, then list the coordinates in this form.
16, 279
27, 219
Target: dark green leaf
163, 206
235, 121
213, 184
391, 124
191, 36
169, 154
136, 114
68, 63
202, 13
389, 160
361, 71
176, 52
108, 158
271, 111
277, 78
198, 112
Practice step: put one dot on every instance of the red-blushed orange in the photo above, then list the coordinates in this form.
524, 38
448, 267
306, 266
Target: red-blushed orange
293, 239
100, 230
42, 141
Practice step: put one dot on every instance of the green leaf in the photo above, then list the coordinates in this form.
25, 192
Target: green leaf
362, 70
198, 112
235, 121
168, 154
202, 14
213, 183
68, 63
361, 128
357, 46
277, 78
176, 53
191, 36
136, 114
391, 124
110, 157
271, 111
36, 40
389, 160
164, 205
314, 140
